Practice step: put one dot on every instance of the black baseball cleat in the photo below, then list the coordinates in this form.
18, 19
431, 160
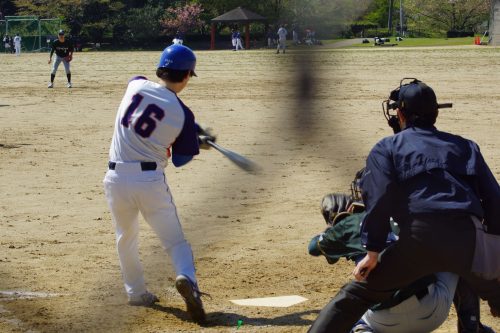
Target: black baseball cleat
192, 296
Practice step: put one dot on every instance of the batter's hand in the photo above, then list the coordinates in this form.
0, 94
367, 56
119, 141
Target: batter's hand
365, 266
202, 141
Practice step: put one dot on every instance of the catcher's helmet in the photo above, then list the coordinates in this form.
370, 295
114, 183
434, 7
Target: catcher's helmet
415, 98
178, 57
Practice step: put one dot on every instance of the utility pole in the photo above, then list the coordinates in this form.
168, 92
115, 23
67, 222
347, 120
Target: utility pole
401, 18
391, 8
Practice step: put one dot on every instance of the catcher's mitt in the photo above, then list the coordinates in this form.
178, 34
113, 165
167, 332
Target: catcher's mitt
68, 58
334, 207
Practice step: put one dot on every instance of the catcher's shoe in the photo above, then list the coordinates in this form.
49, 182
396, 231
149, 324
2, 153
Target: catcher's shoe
192, 296
146, 299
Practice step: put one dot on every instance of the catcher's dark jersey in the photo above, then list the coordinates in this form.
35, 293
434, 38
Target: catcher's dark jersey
62, 49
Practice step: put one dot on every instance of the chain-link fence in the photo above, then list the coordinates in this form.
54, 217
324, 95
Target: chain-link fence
36, 34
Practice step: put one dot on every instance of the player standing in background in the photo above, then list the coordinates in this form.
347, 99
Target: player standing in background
151, 121
233, 39
17, 44
239, 44
64, 53
282, 33
178, 38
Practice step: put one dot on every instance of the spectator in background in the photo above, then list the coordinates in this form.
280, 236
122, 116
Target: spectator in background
270, 38
6, 43
11, 45
295, 36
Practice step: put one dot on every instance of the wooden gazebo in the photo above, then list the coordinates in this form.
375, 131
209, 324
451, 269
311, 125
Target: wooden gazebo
237, 15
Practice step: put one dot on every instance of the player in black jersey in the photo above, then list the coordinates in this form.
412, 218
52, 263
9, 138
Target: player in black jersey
64, 53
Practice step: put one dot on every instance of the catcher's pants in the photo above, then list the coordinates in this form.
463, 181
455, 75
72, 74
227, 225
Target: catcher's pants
427, 244
129, 190
417, 315
56, 64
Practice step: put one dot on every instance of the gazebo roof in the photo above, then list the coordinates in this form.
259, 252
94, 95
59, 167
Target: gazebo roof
239, 15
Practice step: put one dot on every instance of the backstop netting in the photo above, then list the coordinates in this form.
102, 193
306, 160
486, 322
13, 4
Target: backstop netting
36, 33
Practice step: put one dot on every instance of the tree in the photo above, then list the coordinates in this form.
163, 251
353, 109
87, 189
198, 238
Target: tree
92, 19
139, 25
448, 15
184, 19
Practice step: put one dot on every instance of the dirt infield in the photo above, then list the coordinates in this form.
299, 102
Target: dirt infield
249, 233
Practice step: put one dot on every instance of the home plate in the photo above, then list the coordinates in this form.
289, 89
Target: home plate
280, 301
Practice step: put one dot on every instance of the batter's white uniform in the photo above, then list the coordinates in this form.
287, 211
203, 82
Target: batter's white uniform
416, 315
150, 121
17, 44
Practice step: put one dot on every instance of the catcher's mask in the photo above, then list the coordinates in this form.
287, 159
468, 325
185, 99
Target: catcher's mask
355, 188
414, 99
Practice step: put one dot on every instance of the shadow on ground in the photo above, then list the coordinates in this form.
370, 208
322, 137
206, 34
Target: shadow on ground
215, 319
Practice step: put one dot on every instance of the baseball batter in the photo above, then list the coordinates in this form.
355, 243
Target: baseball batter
64, 53
153, 124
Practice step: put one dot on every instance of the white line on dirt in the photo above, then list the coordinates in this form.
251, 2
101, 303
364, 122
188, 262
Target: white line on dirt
9, 295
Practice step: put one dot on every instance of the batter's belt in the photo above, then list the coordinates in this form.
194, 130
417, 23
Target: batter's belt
145, 166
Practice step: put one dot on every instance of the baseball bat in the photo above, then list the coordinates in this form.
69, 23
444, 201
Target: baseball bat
241, 161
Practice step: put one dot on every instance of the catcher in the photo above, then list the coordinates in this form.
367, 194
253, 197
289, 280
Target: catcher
420, 307
64, 53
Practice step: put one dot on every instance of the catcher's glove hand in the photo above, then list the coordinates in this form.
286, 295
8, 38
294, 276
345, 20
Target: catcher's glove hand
334, 207
204, 135
68, 58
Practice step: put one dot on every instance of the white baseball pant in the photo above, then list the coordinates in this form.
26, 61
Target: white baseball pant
129, 190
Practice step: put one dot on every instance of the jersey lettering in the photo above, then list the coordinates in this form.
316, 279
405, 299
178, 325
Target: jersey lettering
146, 123
136, 100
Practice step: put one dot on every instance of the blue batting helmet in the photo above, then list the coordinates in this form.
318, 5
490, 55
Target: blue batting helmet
178, 57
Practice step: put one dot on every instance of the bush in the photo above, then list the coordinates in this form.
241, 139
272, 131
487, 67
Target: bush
454, 34
370, 33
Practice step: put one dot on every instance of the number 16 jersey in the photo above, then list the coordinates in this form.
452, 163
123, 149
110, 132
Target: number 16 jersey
150, 121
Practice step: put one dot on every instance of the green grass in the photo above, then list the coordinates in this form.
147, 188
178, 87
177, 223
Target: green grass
413, 42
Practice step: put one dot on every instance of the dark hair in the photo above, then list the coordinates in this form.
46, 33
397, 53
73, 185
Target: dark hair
423, 120
172, 75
